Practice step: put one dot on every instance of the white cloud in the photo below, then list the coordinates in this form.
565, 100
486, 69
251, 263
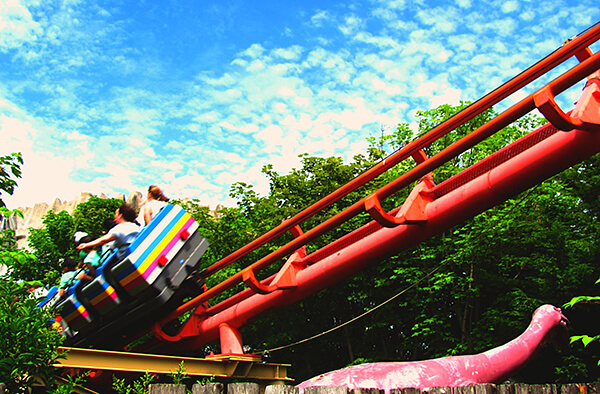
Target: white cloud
320, 18
17, 134
286, 92
17, 26
255, 66
527, 15
463, 3
172, 166
442, 20
464, 42
225, 80
502, 27
45, 175
233, 158
352, 24
272, 136
399, 5
106, 101
254, 51
291, 53
76, 136
510, 6
442, 56
448, 96
387, 14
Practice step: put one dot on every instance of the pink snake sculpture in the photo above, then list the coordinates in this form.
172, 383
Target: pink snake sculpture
492, 366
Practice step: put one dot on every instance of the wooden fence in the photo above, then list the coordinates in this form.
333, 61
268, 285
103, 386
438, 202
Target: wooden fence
253, 388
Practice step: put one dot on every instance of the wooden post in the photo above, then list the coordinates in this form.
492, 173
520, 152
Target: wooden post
573, 388
281, 389
437, 390
209, 388
484, 388
522, 388
505, 389
326, 390
592, 388
243, 388
406, 391
162, 388
487, 388
580, 388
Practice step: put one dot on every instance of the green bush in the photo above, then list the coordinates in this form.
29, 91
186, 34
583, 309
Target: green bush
52, 243
28, 343
89, 216
584, 339
139, 386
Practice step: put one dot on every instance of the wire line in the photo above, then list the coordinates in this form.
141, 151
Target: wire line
516, 203
355, 318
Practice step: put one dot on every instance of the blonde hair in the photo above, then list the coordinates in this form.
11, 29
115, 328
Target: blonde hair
157, 193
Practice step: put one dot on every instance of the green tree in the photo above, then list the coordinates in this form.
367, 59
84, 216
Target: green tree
20, 263
469, 289
138, 386
52, 243
27, 342
89, 216
587, 340
10, 171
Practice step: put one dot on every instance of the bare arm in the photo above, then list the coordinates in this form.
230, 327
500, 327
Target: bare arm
147, 215
97, 242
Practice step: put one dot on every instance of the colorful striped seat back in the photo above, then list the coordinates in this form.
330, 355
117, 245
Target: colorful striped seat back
73, 313
154, 249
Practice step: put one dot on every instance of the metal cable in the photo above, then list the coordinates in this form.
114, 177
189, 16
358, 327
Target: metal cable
357, 317
426, 276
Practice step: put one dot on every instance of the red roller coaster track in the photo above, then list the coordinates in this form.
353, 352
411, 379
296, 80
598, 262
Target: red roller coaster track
431, 208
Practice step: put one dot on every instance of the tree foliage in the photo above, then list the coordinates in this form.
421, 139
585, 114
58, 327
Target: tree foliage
464, 291
467, 290
27, 341
54, 241
10, 171
51, 244
90, 215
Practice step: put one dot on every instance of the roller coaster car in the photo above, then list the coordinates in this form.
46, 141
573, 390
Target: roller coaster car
152, 280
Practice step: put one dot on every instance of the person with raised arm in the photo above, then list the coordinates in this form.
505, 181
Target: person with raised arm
122, 234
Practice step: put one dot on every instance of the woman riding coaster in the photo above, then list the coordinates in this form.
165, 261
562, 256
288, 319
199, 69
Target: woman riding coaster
156, 201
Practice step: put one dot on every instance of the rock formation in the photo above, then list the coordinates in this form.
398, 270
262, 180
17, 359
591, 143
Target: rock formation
33, 216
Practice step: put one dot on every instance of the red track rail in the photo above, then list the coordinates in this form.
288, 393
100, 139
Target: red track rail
576, 47
204, 325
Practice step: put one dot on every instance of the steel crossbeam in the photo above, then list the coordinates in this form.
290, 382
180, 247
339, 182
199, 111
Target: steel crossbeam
248, 367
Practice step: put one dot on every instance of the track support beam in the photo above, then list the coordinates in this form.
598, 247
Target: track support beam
246, 367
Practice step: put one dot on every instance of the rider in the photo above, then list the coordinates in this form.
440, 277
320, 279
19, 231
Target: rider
122, 234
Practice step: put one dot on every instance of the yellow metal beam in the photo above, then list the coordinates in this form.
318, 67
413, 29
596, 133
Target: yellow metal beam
239, 367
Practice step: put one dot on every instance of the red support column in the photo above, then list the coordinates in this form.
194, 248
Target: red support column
231, 340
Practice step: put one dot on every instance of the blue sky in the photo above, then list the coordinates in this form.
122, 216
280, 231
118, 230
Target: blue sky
112, 96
